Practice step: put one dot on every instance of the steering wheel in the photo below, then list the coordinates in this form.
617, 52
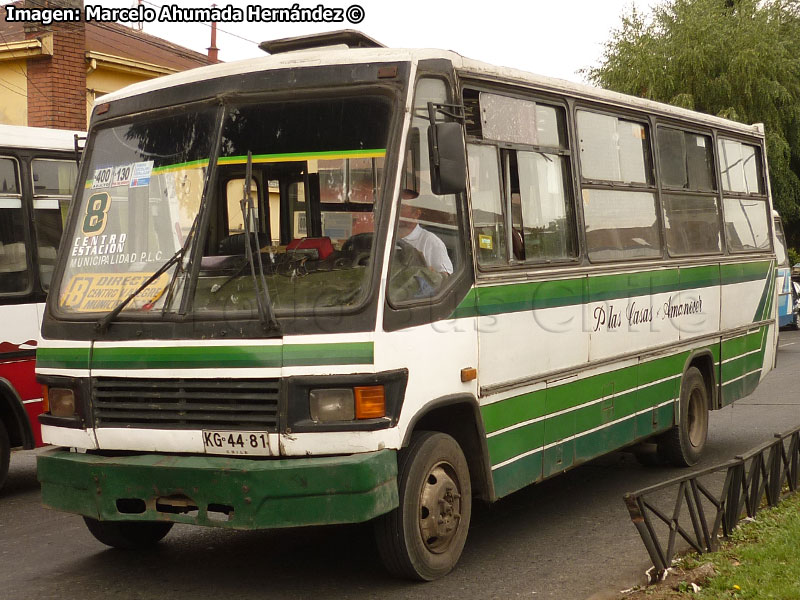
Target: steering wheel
356, 251
410, 277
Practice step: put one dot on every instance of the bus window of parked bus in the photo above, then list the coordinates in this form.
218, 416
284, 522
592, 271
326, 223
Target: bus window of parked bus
53, 177
53, 182
9, 182
14, 273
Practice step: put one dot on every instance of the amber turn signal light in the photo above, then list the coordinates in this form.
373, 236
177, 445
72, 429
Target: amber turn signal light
370, 402
45, 400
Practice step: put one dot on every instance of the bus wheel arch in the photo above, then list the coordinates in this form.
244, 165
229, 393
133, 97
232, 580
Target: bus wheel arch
459, 417
12, 415
424, 536
683, 445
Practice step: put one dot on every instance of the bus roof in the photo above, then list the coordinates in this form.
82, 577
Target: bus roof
466, 67
41, 138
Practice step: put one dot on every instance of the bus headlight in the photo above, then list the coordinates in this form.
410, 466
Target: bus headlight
331, 405
62, 402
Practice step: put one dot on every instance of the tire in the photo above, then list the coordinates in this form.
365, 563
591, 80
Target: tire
5, 454
683, 445
434, 485
128, 535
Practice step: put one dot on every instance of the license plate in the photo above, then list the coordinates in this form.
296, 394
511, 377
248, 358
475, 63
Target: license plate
236, 442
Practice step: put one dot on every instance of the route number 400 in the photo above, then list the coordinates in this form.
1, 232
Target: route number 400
96, 211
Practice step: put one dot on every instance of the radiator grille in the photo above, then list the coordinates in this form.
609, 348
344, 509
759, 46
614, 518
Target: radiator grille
241, 404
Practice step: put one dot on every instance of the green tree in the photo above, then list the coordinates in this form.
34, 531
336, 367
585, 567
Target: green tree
738, 59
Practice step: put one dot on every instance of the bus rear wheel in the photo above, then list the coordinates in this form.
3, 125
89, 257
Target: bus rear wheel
424, 536
128, 535
5, 454
683, 445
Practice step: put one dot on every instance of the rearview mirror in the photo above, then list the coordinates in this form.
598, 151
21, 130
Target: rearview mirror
447, 158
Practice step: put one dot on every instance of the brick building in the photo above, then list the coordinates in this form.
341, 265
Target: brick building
50, 75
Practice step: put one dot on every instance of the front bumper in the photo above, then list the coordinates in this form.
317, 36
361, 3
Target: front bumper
256, 493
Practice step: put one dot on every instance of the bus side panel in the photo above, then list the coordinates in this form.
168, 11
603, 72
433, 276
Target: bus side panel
531, 328
700, 286
515, 437
633, 318
18, 341
20, 373
742, 363
748, 291
546, 429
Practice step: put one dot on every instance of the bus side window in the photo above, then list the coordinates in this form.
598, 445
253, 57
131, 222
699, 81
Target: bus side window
53, 182
621, 222
690, 203
14, 273
487, 205
744, 204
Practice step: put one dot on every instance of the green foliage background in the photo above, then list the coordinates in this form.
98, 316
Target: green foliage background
738, 59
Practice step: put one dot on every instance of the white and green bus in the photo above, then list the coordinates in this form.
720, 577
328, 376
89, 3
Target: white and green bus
342, 284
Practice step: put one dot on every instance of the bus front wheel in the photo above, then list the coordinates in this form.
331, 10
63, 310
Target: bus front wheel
5, 454
423, 537
128, 535
684, 444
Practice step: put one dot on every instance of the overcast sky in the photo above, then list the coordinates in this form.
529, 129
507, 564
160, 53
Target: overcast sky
553, 37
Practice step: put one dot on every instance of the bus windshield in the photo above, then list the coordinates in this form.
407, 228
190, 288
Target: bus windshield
142, 191
316, 172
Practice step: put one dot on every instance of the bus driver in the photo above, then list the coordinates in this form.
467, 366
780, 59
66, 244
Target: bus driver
429, 245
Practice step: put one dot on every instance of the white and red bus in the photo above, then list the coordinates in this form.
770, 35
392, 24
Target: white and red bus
37, 175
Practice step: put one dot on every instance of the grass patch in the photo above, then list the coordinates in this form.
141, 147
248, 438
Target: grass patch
761, 560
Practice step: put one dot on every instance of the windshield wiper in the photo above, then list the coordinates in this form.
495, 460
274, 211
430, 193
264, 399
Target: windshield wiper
266, 313
103, 323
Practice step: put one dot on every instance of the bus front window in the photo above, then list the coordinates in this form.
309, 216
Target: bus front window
142, 192
317, 168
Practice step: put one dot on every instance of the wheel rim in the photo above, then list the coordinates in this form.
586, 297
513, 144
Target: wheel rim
440, 508
698, 417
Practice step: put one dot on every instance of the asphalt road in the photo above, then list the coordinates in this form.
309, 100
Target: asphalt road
567, 538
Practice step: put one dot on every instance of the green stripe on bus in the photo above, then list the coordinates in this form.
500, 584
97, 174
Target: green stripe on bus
518, 474
519, 297
303, 156
740, 388
614, 396
525, 407
62, 358
211, 357
764, 302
